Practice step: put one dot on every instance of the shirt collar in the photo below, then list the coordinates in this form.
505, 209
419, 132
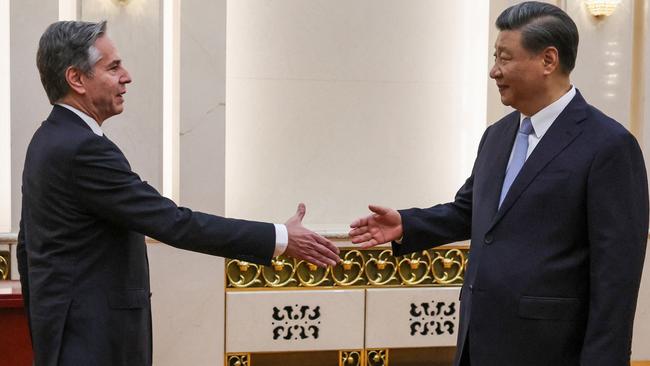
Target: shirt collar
543, 119
86, 118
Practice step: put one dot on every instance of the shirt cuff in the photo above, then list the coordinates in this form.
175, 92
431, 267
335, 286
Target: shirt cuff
281, 239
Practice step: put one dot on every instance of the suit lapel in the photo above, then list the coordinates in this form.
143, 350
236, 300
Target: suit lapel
497, 165
561, 133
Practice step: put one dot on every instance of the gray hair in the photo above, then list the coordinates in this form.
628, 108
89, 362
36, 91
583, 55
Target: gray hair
543, 25
63, 45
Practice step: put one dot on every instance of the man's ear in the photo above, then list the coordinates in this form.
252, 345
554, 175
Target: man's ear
550, 60
74, 77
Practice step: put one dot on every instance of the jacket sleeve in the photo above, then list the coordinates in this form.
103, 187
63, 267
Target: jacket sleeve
108, 188
440, 224
617, 219
21, 257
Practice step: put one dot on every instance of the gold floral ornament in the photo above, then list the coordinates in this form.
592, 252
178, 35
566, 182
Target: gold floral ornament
448, 268
350, 270
280, 273
4, 265
377, 357
350, 358
414, 268
310, 275
381, 270
243, 274
239, 360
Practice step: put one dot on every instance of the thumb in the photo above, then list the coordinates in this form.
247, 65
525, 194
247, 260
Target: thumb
378, 209
300, 212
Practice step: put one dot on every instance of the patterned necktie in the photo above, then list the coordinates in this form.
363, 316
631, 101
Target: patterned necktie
518, 157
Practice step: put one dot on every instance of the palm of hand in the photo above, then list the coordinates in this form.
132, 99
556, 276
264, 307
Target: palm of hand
384, 228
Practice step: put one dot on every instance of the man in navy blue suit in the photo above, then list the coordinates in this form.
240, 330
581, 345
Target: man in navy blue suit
556, 209
81, 251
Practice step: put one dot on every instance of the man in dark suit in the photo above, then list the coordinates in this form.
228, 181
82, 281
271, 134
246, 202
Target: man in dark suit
81, 251
556, 209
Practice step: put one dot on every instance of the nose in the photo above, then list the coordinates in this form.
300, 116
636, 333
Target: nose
126, 77
495, 72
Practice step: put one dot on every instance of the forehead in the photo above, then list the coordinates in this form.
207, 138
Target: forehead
106, 48
508, 40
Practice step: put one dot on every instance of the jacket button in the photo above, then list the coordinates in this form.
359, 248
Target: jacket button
488, 239
471, 288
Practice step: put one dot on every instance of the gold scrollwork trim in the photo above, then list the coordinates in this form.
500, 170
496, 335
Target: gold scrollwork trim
375, 267
414, 268
350, 270
243, 274
448, 268
239, 359
4, 265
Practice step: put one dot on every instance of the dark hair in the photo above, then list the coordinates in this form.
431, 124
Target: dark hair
543, 25
66, 44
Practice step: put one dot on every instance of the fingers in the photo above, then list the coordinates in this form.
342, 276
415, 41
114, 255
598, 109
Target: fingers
369, 244
362, 221
322, 253
328, 250
358, 231
361, 238
380, 210
329, 245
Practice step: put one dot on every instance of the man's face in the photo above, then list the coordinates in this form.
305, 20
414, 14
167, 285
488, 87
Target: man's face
106, 87
518, 73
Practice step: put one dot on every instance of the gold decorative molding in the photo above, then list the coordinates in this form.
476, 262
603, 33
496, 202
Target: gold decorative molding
352, 358
238, 359
375, 267
5, 267
377, 357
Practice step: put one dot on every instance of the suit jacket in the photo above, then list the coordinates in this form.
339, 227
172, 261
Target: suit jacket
81, 251
553, 275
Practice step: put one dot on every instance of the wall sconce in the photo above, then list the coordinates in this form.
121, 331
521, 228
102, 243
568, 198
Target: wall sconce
122, 2
599, 8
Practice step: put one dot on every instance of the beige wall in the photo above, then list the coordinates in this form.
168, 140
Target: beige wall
136, 30
341, 104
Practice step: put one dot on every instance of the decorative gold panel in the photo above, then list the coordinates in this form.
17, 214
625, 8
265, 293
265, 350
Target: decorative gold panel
377, 357
242, 359
351, 358
5, 267
375, 267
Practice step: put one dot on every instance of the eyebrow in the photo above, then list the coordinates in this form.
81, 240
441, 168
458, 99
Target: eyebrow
116, 62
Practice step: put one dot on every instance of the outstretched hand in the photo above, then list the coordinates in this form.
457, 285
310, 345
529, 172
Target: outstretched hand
383, 226
306, 244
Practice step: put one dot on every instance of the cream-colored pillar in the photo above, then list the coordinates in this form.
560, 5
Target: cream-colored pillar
29, 104
640, 350
340, 104
189, 287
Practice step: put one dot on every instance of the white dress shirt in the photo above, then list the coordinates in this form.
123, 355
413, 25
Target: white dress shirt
281, 233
